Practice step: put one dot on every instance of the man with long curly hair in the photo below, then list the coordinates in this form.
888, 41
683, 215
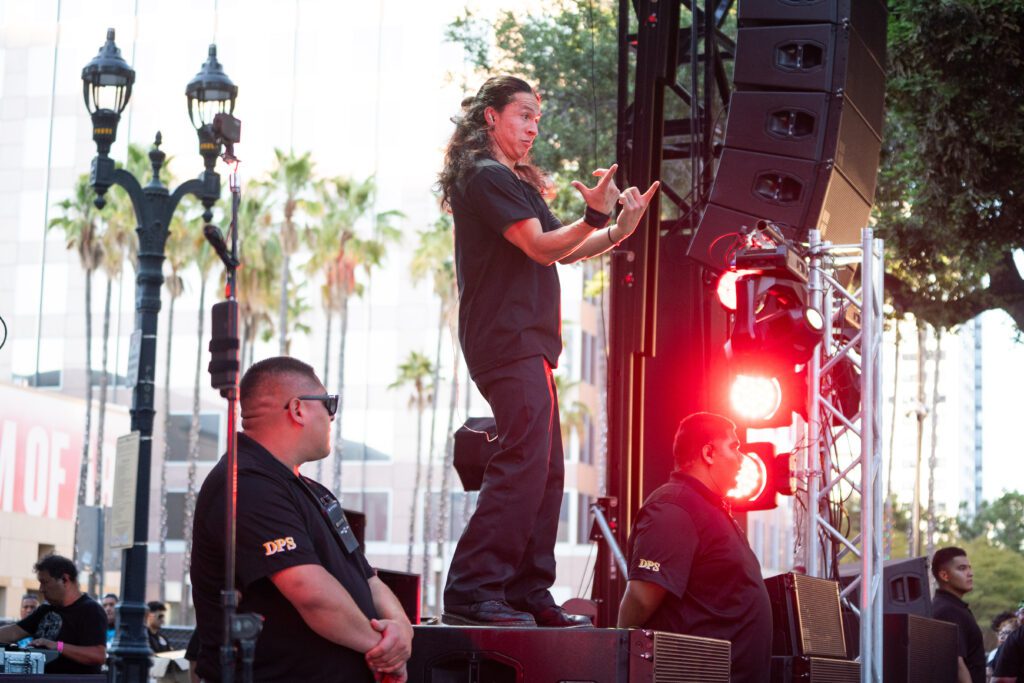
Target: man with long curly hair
506, 245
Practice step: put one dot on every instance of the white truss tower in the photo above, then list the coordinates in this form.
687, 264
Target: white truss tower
844, 453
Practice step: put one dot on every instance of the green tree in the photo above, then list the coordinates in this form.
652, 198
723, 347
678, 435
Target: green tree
78, 220
434, 258
416, 371
342, 253
1001, 522
293, 178
950, 200
258, 278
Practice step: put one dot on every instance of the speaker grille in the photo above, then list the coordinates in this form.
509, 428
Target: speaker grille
833, 671
689, 659
923, 636
821, 626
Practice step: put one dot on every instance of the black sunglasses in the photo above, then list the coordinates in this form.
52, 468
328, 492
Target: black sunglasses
330, 402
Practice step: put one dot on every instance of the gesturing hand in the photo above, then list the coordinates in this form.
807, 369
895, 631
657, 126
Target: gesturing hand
633, 206
601, 197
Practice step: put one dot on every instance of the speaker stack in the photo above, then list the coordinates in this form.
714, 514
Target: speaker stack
808, 642
804, 129
468, 654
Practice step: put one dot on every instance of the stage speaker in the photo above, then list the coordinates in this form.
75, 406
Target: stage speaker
456, 654
804, 129
406, 588
905, 586
814, 670
805, 616
919, 649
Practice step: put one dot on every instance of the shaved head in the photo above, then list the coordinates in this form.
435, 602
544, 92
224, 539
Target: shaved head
292, 429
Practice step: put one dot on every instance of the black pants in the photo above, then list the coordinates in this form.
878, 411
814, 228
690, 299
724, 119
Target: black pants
507, 551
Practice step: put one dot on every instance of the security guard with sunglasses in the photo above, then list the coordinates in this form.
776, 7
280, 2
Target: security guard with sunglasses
326, 614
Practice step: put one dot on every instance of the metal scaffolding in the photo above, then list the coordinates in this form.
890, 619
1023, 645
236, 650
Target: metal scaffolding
844, 464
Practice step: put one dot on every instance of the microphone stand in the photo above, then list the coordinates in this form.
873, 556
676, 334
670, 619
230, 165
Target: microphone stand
240, 629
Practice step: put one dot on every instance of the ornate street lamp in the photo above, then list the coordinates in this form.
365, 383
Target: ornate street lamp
107, 84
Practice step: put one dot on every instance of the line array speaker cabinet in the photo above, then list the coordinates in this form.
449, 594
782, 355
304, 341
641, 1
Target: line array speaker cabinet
814, 670
456, 654
919, 649
804, 129
806, 618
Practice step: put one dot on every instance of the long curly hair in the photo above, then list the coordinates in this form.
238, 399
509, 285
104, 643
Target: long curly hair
471, 139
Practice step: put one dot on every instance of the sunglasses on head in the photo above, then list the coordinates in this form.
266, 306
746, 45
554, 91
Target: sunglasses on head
330, 402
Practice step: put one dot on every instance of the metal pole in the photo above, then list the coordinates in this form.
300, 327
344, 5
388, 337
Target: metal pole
813, 463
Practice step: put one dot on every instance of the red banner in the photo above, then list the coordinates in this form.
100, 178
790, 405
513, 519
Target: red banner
41, 451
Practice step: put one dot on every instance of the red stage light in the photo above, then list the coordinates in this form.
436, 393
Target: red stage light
751, 481
726, 287
755, 397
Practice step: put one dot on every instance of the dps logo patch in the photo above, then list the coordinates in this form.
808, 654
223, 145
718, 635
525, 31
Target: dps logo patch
647, 564
279, 545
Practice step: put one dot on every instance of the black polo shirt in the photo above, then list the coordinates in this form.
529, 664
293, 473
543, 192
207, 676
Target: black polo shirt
279, 526
509, 305
971, 645
686, 541
1010, 662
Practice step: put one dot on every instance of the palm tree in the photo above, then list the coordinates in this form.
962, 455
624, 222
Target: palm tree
260, 254
293, 176
417, 370
205, 259
435, 257
177, 252
339, 252
81, 233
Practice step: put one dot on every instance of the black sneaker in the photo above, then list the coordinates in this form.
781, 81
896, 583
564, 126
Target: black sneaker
486, 613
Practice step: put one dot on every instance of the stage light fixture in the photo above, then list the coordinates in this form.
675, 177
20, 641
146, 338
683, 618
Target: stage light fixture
755, 397
726, 287
763, 475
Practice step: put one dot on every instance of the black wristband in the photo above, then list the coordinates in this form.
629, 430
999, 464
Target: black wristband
595, 218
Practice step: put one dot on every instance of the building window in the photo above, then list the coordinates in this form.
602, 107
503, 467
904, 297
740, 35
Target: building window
209, 437
175, 503
462, 506
563, 519
374, 505
584, 518
587, 447
585, 351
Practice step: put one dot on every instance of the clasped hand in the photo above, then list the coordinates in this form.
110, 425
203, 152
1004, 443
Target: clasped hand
388, 657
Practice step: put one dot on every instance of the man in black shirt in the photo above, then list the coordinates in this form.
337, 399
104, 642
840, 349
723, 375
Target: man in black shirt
506, 244
952, 571
1009, 666
156, 612
70, 622
691, 569
326, 614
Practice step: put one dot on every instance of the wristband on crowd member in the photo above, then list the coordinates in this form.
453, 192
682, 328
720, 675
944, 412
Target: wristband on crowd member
60, 647
595, 218
610, 238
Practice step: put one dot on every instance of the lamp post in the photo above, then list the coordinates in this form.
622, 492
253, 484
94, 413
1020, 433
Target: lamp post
107, 85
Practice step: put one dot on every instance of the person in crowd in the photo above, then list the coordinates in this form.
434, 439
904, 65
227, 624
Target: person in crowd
326, 615
29, 603
691, 569
109, 603
955, 579
507, 243
156, 614
1003, 624
1009, 664
69, 622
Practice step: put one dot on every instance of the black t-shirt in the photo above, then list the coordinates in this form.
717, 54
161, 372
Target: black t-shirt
686, 541
1010, 661
971, 645
157, 642
83, 622
509, 305
279, 525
